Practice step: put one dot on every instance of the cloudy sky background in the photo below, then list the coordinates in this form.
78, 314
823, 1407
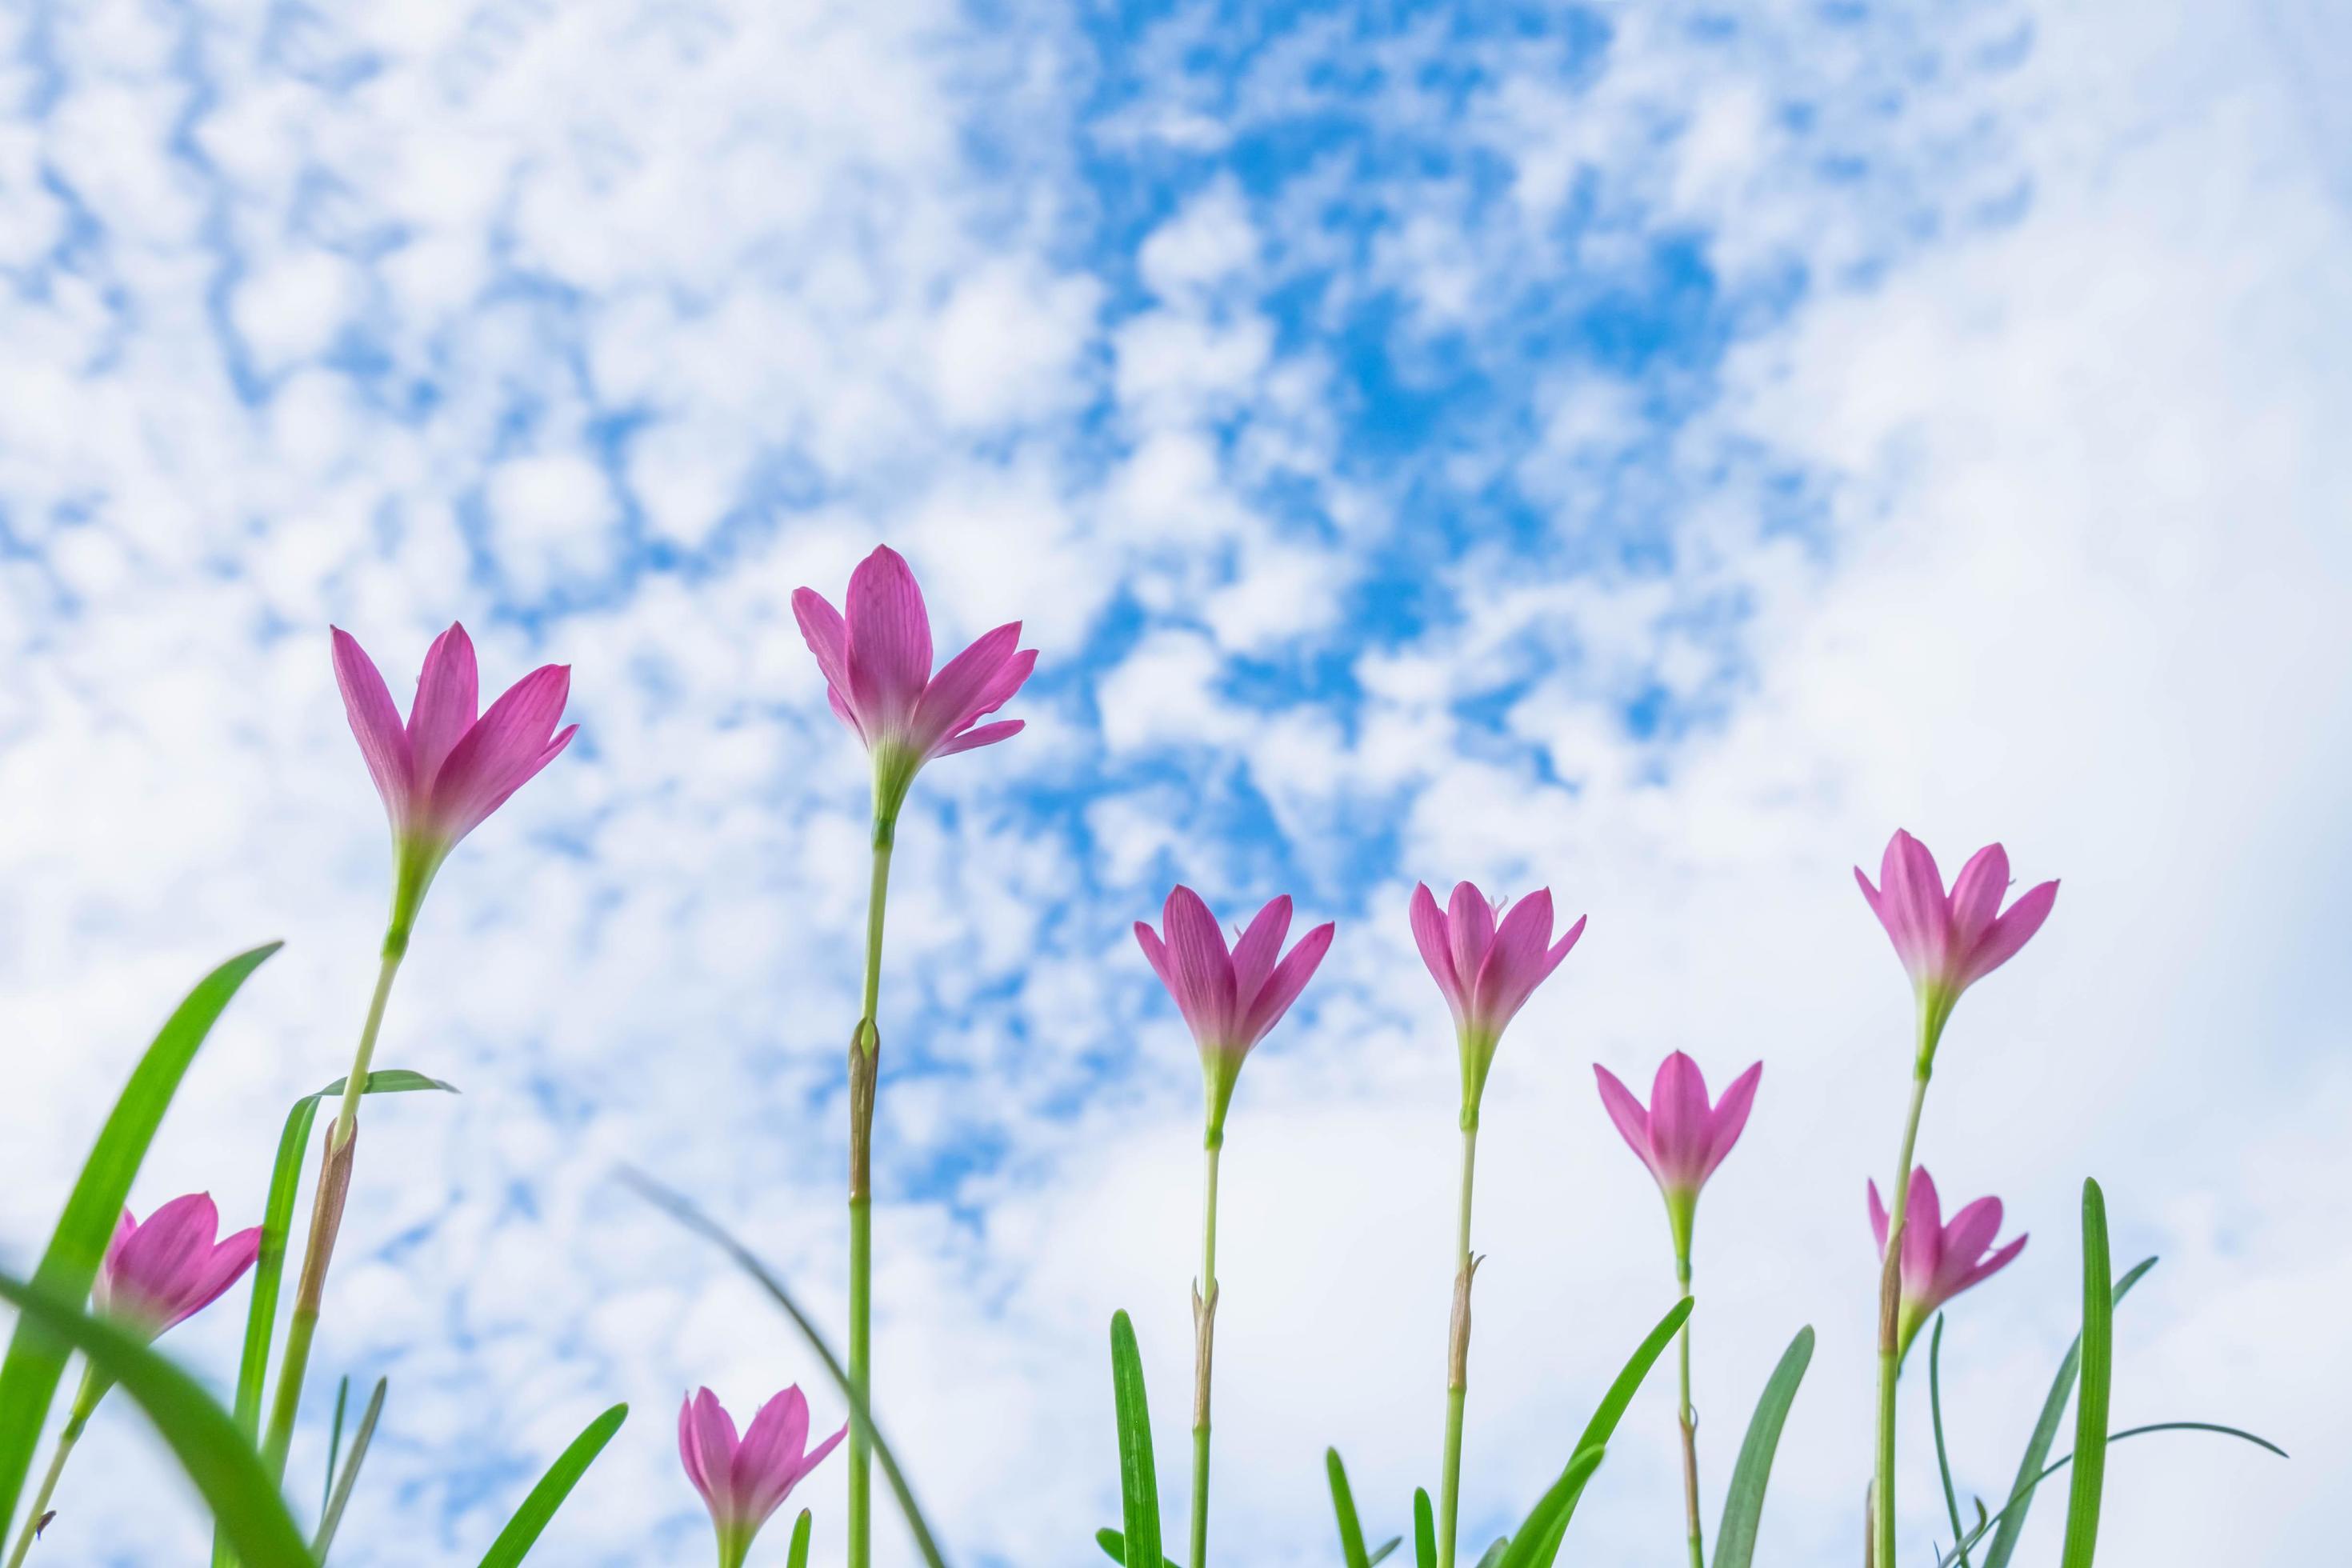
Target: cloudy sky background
1652, 451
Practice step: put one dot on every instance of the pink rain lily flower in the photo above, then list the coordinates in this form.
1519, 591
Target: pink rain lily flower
449, 766
1488, 971
877, 661
1680, 1137
745, 1480
1949, 942
170, 1268
1939, 1260
1230, 998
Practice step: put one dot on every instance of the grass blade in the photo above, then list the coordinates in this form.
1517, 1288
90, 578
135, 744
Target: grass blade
1604, 1425
2091, 1398
200, 1434
1114, 1545
331, 1517
523, 1532
1743, 1505
2045, 1431
1343, 1503
1380, 1552
1548, 1521
687, 1215
334, 1444
1138, 1487
1424, 1529
1493, 1556
797, 1557
36, 1357
1943, 1459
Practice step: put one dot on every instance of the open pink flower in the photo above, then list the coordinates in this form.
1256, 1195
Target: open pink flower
1488, 971
1230, 998
170, 1268
1949, 943
876, 662
1680, 1137
444, 770
1939, 1260
745, 1480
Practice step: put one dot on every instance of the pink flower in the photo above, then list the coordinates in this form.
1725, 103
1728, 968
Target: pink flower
1680, 1138
1949, 943
1939, 1260
1229, 998
743, 1481
1486, 970
877, 674
446, 770
170, 1268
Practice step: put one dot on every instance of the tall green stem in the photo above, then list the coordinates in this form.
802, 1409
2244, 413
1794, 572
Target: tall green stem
1205, 1318
1457, 1358
864, 1051
93, 1389
1689, 1424
1890, 1296
327, 1215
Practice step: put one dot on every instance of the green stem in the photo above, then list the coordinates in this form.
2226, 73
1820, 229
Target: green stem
1890, 1295
864, 1073
1204, 1316
1689, 1425
1457, 1378
327, 1218
93, 1389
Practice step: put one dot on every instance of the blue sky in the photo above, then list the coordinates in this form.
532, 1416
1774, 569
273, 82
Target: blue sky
1649, 451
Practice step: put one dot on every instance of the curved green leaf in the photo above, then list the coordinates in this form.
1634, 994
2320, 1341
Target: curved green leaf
200, 1434
1381, 1553
331, 1517
1604, 1425
1114, 1545
1139, 1485
1343, 1503
797, 1557
1743, 1505
36, 1358
1424, 1529
1935, 1418
2045, 1432
2091, 1399
1548, 1521
523, 1532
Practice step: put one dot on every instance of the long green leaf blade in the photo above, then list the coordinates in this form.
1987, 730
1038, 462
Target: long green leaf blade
1936, 1417
36, 1357
1424, 1529
1548, 1521
523, 1532
330, 1518
200, 1434
1114, 1545
1138, 1487
797, 1557
1381, 1553
1604, 1425
1343, 1503
2045, 1432
335, 1444
2091, 1400
1743, 1505
693, 1219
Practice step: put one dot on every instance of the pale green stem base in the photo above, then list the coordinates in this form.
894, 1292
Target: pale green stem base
1889, 1345
861, 1213
93, 1389
1689, 1426
1204, 1308
1457, 1381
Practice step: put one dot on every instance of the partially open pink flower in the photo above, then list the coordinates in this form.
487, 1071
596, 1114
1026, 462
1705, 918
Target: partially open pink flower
1230, 998
1488, 971
1939, 1260
1949, 943
1680, 1137
877, 674
444, 770
745, 1480
171, 1268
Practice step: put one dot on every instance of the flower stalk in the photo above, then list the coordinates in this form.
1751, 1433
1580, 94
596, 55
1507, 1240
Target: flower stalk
1457, 1347
864, 1072
1204, 1323
93, 1389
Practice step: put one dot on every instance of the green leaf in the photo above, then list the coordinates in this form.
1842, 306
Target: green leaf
1381, 1553
797, 1557
227, 1473
1139, 1487
1343, 1503
1743, 1505
2091, 1399
1936, 1416
2045, 1432
1115, 1544
335, 1444
36, 1357
331, 1518
1494, 1555
687, 1215
1548, 1521
1424, 1529
1604, 1425
2026, 1489
523, 1532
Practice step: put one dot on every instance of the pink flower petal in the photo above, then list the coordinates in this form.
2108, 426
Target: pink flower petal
1966, 1238
1632, 1121
1204, 971
1731, 1116
504, 749
1976, 893
1990, 1266
1679, 1120
816, 1455
2009, 932
1470, 920
972, 740
376, 723
448, 699
889, 643
1514, 963
211, 1277
768, 1461
1923, 1234
1912, 891
1437, 944
827, 636
1260, 945
952, 699
1282, 986
1879, 1219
